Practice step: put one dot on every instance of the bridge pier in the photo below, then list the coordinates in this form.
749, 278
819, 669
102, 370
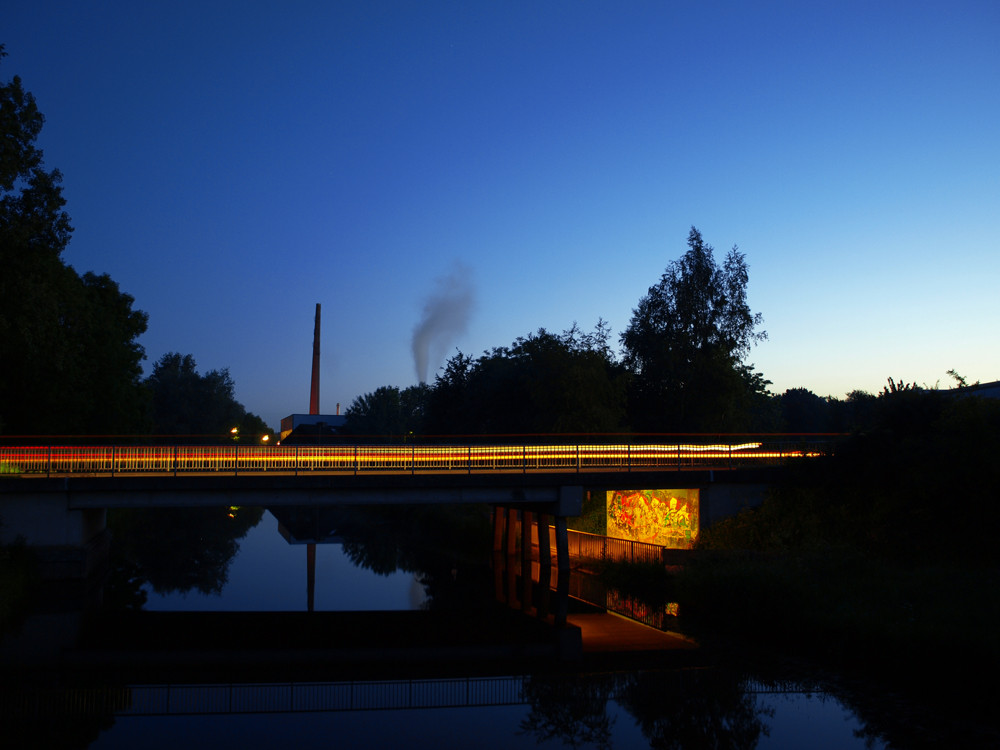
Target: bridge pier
509, 528
506, 526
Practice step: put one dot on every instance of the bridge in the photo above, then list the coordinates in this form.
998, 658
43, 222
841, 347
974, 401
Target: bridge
413, 458
55, 496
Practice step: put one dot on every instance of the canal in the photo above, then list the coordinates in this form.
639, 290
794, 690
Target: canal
240, 627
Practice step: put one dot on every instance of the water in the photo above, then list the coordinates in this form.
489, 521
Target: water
693, 705
270, 574
806, 721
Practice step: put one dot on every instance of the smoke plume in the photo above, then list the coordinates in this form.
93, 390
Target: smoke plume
445, 318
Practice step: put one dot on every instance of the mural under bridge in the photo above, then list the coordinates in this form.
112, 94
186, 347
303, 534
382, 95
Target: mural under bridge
665, 517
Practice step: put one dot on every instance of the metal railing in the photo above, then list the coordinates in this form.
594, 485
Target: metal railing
113, 460
168, 700
611, 549
51, 703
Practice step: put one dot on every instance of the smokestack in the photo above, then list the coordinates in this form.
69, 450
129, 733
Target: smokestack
314, 389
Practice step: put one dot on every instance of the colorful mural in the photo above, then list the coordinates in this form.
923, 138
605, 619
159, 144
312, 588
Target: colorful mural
665, 517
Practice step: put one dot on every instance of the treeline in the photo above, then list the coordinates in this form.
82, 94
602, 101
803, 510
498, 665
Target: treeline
70, 359
682, 369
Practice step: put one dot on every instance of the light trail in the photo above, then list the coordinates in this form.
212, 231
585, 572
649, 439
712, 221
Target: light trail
59, 460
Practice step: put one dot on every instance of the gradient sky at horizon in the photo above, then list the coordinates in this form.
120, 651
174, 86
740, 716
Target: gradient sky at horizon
230, 165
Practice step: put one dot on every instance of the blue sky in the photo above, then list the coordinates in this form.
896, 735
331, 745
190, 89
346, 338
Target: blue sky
232, 164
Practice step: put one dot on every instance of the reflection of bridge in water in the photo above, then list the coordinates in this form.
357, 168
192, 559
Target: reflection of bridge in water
315, 697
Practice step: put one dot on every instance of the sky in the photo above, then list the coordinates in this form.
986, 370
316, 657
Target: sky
479, 170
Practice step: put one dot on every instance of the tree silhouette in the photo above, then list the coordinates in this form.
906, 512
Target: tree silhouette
686, 342
195, 406
542, 383
71, 361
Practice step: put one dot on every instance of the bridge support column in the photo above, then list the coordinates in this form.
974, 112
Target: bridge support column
499, 515
570, 504
562, 545
511, 531
544, 545
526, 560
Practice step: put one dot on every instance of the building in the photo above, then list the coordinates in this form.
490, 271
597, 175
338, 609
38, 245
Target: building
310, 428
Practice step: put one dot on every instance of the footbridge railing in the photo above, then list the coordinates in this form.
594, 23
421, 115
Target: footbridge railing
172, 700
122, 460
34, 702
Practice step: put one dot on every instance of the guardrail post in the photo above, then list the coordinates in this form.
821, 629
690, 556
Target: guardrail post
48, 463
524, 459
628, 456
113, 460
413, 459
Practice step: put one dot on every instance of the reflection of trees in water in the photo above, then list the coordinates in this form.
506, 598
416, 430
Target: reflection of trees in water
569, 708
176, 549
447, 547
693, 709
674, 709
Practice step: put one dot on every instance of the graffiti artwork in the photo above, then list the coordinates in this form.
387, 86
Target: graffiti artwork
665, 517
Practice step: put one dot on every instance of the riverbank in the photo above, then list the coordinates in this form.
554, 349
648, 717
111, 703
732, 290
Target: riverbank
842, 607
911, 647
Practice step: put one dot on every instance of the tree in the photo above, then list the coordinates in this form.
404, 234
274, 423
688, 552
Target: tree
387, 412
804, 411
448, 399
542, 383
202, 407
71, 361
686, 342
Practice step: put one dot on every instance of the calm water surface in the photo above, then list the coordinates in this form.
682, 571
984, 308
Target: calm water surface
247, 565
269, 573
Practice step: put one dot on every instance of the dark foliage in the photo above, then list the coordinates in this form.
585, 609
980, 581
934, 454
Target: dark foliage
543, 383
199, 408
71, 361
685, 347
387, 413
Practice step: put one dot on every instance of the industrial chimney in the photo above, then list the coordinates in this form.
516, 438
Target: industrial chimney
314, 388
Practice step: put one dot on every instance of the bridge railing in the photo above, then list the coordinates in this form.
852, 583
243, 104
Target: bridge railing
171, 700
45, 702
361, 459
